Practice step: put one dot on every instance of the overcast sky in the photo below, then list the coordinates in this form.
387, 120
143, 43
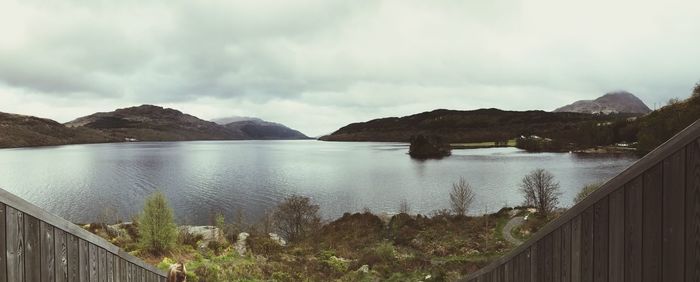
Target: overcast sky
318, 65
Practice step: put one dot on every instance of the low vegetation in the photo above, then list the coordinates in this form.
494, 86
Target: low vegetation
442, 246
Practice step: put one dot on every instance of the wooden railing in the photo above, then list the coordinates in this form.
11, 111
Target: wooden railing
39, 246
643, 225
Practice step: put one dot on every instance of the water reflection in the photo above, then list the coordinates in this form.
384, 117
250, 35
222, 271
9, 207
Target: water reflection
78, 182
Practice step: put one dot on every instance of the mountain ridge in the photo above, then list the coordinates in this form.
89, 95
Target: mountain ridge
138, 123
612, 102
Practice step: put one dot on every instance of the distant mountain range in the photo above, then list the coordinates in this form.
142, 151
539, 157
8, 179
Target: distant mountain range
141, 123
28, 131
495, 125
614, 102
466, 126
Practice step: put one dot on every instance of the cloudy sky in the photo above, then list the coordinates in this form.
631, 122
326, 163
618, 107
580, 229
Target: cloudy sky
318, 65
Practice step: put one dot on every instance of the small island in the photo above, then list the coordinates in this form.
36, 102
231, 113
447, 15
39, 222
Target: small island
429, 147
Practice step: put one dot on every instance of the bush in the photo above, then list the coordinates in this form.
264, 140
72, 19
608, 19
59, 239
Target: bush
157, 231
296, 218
186, 238
585, 191
540, 190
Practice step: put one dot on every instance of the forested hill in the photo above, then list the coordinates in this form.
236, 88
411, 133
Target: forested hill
471, 126
660, 125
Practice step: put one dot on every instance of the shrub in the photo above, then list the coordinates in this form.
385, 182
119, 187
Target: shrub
157, 231
296, 218
184, 237
461, 197
585, 191
540, 190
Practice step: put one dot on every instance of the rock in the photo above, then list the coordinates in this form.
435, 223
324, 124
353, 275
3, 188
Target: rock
426, 147
241, 243
209, 233
364, 269
278, 239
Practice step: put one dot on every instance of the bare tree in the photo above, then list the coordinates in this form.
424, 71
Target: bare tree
540, 190
296, 217
404, 207
461, 197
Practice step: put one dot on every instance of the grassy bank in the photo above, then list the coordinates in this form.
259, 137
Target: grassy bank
478, 145
355, 247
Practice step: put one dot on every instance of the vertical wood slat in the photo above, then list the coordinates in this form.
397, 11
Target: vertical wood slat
84, 261
587, 245
3, 240
673, 217
616, 263
110, 267
566, 252
633, 229
73, 247
547, 259
15, 244
123, 265
651, 226
600, 241
117, 268
576, 249
61, 255
556, 255
102, 264
92, 249
692, 212
32, 247
47, 253
533, 263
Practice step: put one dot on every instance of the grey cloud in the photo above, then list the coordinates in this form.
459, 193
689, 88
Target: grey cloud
349, 56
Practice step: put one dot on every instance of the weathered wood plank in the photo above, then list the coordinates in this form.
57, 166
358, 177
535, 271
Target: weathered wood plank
616, 262
61, 255
72, 243
633, 229
102, 264
32, 244
587, 245
548, 264
533, 263
600, 241
48, 266
27, 208
110, 267
556, 255
566, 252
692, 212
15, 244
508, 276
92, 249
3, 240
673, 217
576, 249
652, 226
84, 263
123, 269
117, 268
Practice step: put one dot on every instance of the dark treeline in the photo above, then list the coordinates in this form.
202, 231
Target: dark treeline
645, 132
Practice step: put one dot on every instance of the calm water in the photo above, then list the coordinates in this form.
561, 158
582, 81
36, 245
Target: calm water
78, 182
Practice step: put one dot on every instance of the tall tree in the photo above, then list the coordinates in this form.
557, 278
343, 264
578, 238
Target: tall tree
540, 190
157, 231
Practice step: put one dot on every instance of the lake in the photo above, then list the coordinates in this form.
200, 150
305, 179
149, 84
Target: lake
81, 182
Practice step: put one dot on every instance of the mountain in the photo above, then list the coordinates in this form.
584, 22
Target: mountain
614, 102
231, 119
259, 129
154, 123
468, 126
27, 131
